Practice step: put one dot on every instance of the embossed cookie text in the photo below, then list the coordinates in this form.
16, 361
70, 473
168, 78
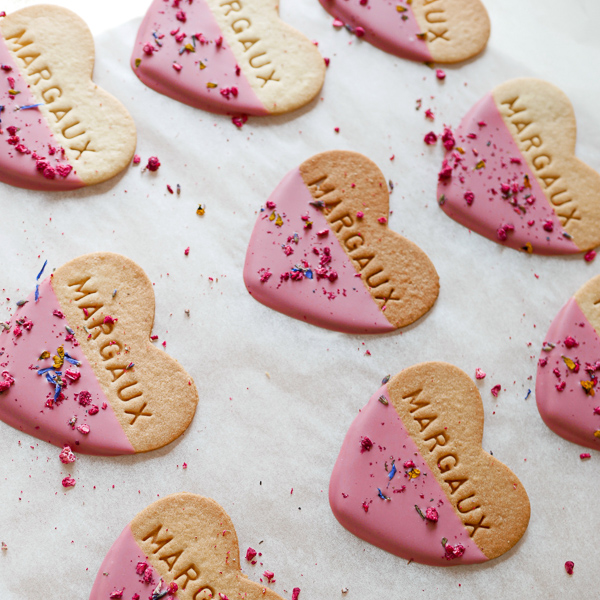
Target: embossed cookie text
31, 59
363, 254
109, 347
442, 447
245, 32
185, 572
533, 145
435, 15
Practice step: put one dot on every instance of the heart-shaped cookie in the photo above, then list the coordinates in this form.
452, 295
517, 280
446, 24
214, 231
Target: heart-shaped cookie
230, 57
183, 545
444, 31
568, 369
413, 479
78, 368
321, 250
58, 129
513, 176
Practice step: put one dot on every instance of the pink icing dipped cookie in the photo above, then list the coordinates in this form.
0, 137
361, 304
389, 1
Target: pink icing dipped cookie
321, 250
181, 547
77, 367
567, 375
445, 31
413, 479
58, 129
511, 175
227, 56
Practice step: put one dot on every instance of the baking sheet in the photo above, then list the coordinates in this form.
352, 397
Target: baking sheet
277, 395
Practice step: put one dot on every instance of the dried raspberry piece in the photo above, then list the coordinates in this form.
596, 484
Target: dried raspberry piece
153, 163
66, 456
365, 444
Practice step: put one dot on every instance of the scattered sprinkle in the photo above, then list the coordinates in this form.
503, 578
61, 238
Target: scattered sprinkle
569, 566
153, 164
365, 444
66, 456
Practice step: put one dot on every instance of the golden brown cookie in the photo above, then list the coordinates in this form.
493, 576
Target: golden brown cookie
322, 251
183, 545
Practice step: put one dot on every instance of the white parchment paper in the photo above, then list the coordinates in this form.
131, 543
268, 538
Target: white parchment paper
277, 395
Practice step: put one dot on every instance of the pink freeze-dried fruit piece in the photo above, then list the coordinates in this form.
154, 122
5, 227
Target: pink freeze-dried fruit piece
66, 456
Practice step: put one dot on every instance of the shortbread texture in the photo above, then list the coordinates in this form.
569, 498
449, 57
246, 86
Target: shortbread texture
185, 533
284, 68
455, 30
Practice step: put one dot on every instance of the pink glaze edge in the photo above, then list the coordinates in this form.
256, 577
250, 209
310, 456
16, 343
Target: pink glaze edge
106, 437
394, 525
484, 217
569, 413
19, 169
120, 563
356, 312
376, 19
157, 71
